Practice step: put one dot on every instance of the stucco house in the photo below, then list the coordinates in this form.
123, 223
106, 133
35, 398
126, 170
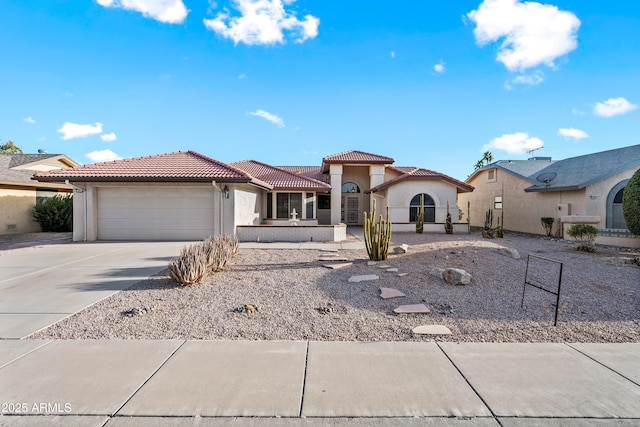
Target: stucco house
585, 189
186, 195
19, 193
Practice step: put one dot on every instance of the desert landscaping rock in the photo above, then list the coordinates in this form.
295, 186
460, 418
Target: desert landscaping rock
600, 297
332, 258
372, 262
456, 276
510, 252
386, 293
437, 272
391, 270
402, 274
412, 309
339, 265
383, 266
363, 278
402, 249
431, 330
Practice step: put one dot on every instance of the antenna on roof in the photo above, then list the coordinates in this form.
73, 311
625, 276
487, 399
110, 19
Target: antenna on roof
532, 150
546, 178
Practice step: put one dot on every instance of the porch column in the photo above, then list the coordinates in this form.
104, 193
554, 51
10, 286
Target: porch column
336, 193
376, 177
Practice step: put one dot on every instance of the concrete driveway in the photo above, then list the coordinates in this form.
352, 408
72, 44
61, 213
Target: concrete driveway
44, 284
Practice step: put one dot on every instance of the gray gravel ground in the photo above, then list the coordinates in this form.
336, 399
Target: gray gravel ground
299, 299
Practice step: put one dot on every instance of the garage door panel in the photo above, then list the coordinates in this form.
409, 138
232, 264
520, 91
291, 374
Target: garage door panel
155, 213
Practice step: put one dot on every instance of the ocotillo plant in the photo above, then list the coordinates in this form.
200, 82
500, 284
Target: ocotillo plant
420, 216
448, 225
377, 235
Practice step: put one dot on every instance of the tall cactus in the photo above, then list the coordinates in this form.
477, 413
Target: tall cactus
420, 216
448, 225
377, 235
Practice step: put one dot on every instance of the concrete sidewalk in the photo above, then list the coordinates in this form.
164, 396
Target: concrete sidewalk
295, 383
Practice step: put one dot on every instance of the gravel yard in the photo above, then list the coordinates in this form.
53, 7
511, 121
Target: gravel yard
300, 299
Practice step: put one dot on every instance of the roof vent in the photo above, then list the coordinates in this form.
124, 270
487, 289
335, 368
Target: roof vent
42, 151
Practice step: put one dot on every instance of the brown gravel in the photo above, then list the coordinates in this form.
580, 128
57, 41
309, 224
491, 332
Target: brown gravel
299, 299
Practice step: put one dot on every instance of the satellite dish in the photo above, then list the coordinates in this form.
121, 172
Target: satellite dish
546, 177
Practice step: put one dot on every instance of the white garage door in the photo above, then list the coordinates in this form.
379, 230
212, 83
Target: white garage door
155, 213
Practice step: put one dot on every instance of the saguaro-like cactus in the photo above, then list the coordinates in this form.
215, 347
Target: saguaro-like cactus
448, 225
420, 216
377, 235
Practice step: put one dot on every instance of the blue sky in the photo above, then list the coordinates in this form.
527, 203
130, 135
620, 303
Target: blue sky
286, 82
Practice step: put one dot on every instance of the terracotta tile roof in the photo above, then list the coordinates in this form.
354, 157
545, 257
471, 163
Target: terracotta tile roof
412, 173
313, 172
180, 166
356, 157
280, 178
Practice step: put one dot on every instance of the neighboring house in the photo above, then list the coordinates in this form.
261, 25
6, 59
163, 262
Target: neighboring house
585, 189
19, 193
186, 195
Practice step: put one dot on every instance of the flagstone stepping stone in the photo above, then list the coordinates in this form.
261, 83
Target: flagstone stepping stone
335, 258
363, 278
386, 293
392, 270
327, 254
372, 262
402, 274
337, 266
328, 250
412, 309
384, 266
431, 330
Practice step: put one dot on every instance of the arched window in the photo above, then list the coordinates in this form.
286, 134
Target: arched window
615, 217
429, 208
350, 187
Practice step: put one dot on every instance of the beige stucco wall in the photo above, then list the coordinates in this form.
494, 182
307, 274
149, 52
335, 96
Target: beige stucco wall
399, 198
245, 204
522, 211
16, 211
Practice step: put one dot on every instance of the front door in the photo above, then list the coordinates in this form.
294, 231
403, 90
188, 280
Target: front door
351, 210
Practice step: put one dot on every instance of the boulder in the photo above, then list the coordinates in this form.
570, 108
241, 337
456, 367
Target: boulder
456, 276
438, 272
402, 249
510, 252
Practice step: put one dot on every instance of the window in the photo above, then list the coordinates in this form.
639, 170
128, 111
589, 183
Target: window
429, 208
324, 201
491, 174
497, 202
309, 202
350, 187
269, 205
286, 203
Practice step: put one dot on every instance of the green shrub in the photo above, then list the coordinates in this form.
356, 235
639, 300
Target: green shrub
631, 203
585, 235
55, 213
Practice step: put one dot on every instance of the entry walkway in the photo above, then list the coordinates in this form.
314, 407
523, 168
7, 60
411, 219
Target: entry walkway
295, 383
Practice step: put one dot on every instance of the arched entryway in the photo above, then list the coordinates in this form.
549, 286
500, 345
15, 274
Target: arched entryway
351, 203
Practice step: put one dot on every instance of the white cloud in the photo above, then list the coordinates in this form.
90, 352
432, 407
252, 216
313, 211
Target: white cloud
262, 22
514, 143
108, 137
168, 11
532, 79
242, 76
577, 112
29, 119
392, 54
532, 33
102, 156
613, 107
73, 130
268, 116
572, 133
439, 67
